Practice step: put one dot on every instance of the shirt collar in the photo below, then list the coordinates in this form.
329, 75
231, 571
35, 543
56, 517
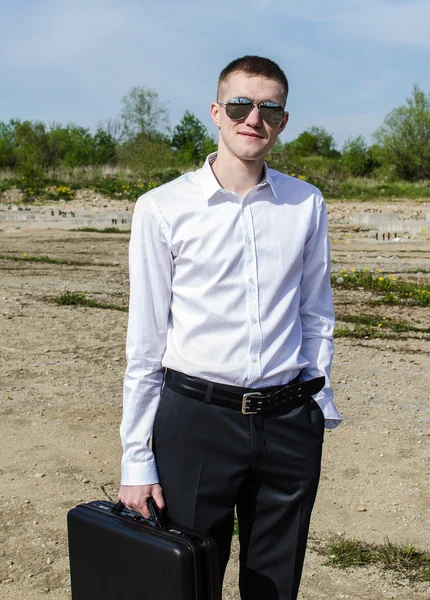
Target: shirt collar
210, 183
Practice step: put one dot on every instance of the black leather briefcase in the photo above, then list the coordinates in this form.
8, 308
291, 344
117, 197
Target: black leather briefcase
116, 554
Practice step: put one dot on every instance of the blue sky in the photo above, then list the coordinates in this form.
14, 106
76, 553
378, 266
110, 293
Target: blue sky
349, 62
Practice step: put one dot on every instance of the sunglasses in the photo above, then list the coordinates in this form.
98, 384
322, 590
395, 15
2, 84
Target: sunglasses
239, 108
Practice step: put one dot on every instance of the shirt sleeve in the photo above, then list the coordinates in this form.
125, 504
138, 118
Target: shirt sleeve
150, 265
317, 312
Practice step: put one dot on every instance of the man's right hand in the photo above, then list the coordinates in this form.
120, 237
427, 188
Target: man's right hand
135, 496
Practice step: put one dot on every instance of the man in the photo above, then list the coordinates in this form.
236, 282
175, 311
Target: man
230, 303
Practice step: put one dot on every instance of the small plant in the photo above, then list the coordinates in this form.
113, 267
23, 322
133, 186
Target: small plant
104, 230
381, 323
344, 553
392, 288
404, 558
63, 192
54, 261
72, 299
407, 560
120, 189
79, 299
236, 526
43, 259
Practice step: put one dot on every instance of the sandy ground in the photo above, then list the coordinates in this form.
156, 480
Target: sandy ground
61, 371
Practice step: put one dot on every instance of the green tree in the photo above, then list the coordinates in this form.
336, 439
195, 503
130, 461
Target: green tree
145, 155
142, 112
31, 149
70, 146
191, 139
405, 137
104, 147
7, 138
315, 141
357, 157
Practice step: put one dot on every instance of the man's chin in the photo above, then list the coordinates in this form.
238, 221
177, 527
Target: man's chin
252, 156
255, 153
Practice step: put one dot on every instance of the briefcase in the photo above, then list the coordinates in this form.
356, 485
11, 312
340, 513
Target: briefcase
116, 554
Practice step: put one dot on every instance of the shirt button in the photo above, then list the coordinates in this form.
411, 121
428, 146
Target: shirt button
248, 241
251, 280
254, 359
254, 320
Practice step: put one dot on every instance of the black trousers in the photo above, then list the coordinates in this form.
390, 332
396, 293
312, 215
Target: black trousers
212, 459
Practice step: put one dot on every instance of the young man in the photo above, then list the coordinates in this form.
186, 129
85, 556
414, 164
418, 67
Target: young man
231, 323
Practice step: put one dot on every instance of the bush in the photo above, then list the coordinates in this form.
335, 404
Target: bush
315, 141
357, 157
145, 154
7, 135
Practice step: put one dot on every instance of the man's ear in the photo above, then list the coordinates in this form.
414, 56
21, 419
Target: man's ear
214, 110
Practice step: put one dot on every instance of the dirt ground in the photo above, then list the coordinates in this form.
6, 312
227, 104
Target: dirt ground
61, 371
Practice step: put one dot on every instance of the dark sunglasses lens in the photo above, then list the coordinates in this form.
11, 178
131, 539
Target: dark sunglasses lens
273, 115
238, 110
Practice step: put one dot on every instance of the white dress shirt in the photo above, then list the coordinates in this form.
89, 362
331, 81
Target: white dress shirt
232, 290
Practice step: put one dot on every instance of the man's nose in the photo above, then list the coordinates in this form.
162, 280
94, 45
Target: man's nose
254, 117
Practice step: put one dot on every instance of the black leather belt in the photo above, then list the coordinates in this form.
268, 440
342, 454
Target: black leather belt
247, 400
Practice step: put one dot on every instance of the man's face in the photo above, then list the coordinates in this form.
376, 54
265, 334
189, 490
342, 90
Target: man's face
250, 138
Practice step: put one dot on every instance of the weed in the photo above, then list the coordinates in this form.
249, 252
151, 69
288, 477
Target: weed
72, 298
105, 230
127, 183
382, 323
393, 289
79, 299
404, 559
54, 261
43, 259
359, 333
54, 188
236, 526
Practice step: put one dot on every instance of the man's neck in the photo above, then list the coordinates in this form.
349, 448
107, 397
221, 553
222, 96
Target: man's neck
236, 175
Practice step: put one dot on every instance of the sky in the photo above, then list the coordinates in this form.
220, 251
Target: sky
349, 62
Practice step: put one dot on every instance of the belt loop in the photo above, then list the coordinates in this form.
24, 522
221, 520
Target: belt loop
208, 397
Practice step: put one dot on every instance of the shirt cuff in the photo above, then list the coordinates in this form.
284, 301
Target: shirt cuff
331, 414
332, 423
139, 473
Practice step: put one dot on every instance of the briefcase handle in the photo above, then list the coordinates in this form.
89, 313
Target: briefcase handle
157, 517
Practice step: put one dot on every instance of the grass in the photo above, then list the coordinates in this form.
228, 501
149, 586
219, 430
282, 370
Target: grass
43, 259
381, 323
128, 184
404, 559
79, 299
105, 230
367, 188
359, 333
62, 184
393, 289
424, 251
53, 261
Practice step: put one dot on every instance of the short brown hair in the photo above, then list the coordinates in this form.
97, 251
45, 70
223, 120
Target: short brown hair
254, 66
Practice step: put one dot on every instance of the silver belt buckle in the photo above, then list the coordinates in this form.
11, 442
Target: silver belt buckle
245, 410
